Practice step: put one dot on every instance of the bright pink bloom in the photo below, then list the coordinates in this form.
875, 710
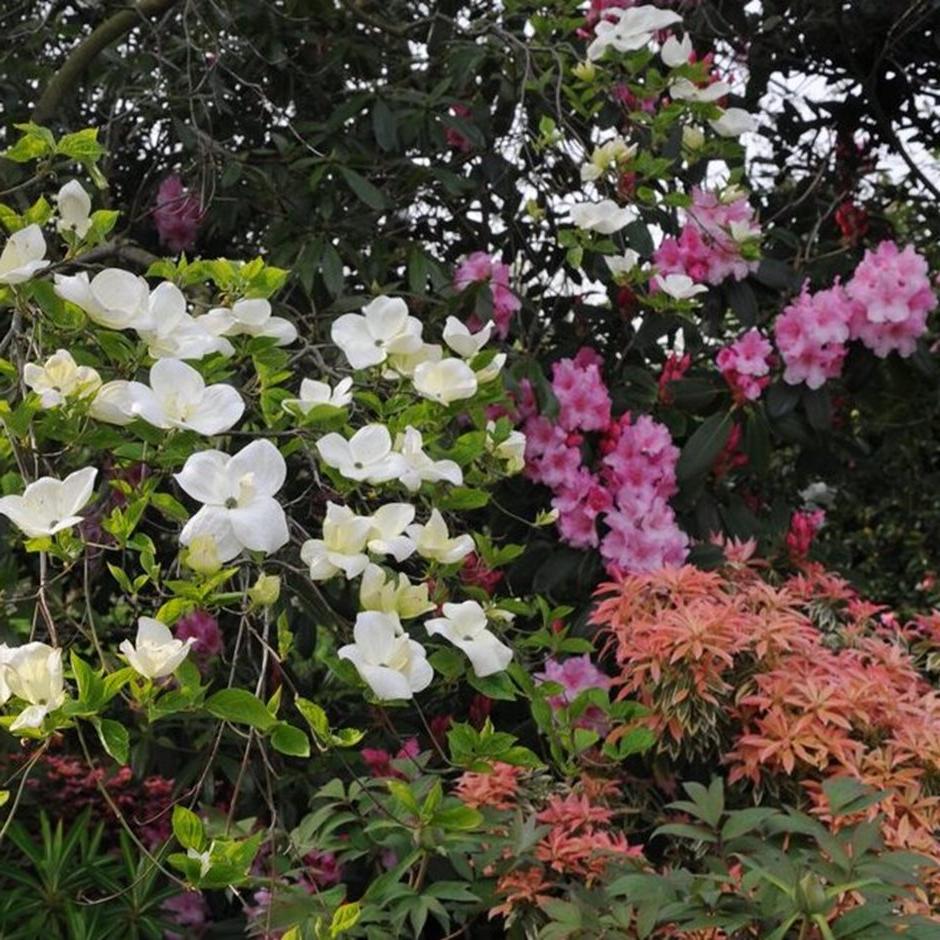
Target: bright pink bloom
708, 248
581, 393
745, 365
480, 267
673, 369
177, 214
811, 334
893, 296
803, 528
322, 869
379, 761
576, 674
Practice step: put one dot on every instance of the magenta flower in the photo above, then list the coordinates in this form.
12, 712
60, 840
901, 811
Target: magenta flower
177, 215
479, 267
202, 627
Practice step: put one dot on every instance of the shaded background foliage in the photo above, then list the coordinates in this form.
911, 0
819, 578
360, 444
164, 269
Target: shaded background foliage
368, 145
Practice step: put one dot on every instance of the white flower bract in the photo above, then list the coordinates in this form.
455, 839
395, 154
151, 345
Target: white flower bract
465, 625
49, 505
155, 653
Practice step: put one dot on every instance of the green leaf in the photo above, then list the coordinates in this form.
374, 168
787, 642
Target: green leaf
81, 145
462, 498
498, 686
291, 741
240, 707
114, 738
703, 447
36, 142
460, 817
384, 126
188, 828
170, 507
345, 917
368, 193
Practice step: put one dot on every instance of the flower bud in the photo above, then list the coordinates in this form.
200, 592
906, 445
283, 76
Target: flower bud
811, 894
693, 138
586, 71
203, 555
266, 590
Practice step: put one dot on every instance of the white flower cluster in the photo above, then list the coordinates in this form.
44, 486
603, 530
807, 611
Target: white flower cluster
239, 510
633, 28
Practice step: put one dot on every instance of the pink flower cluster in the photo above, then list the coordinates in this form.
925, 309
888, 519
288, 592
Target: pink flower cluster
884, 305
811, 334
745, 365
640, 471
480, 267
893, 295
177, 215
631, 487
708, 248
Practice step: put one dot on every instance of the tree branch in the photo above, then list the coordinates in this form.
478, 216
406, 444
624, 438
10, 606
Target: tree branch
67, 78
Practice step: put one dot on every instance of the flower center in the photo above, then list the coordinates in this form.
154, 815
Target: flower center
231, 503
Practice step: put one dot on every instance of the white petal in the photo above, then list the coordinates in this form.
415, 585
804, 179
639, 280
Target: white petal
204, 477
264, 461
261, 525
213, 521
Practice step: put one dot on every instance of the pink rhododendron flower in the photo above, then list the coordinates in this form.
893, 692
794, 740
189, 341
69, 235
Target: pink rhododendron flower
811, 334
745, 365
893, 296
581, 393
480, 267
708, 248
177, 214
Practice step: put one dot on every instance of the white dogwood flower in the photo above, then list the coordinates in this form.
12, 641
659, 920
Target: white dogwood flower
605, 216
177, 397
403, 365
49, 505
417, 467
342, 548
59, 378
116, 299
684, 90
491, 370
462, 341
386, 535
248, 317
155, 652
465, 625
172, 333
23, 255
676, 52
678, 286
314, 393
433, 541
33, 673
446, 381
239, 509
392, 664
377, 591
620, 265
606, 155
74, 205
733, 123
367, 455
511, 450
382, 329
629, 30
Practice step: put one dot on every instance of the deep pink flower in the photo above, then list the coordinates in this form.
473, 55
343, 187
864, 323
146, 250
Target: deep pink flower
202, 627
745, 365
177, 214
479, 267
